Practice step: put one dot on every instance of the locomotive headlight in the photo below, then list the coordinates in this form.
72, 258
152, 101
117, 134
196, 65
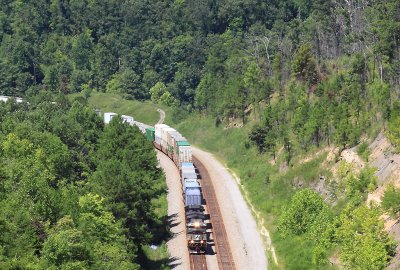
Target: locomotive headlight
192, 241
197, 224
201, 242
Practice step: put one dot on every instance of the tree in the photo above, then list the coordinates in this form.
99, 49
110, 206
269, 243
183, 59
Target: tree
127, 82
258, 136
394, 125
157, 91
252, 81
304, 65
128, 178
364, 244
168, 100
104, 235
305, 213
65, 247
391, 200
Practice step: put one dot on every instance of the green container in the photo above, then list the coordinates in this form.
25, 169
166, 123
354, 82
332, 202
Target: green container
150, 134
183, 143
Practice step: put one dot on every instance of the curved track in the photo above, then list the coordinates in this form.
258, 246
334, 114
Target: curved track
224, 255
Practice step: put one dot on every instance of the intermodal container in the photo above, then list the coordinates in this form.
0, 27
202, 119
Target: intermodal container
187, 164
108, 116
193, 197
150, 134
190, 183
157, 134
184, 152
128, 119
158, 127
170, 140
164, 136
188, 174
175, 140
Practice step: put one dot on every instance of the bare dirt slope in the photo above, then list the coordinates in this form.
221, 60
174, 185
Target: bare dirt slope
244, 238
387, 164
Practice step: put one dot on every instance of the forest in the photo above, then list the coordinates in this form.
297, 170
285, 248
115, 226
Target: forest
302, 73
320, 66
73, 193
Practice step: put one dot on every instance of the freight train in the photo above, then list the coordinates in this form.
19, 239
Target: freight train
177, 148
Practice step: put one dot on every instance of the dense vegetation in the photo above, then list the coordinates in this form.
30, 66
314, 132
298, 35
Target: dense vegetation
74, 194
303, 73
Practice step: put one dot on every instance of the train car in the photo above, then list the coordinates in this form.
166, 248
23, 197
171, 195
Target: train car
158, 135
108, 116
127, 119
196, 229
190, 183
177, 148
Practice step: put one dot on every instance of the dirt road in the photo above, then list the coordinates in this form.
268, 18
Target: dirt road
162, 116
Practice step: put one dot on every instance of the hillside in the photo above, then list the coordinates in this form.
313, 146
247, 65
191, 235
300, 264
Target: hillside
278, 90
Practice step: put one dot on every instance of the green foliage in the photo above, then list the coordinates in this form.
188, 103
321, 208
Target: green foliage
304, 214
391, 200
168, 100
365, 181
304, 65
65, 246
127, 177
48, 219
126, 82
225, 58
363, 151
394, 125
363, 242
257, 136
157, 91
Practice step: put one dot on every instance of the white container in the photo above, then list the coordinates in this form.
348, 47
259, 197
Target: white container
188, 172
108, 116
164, 136
189, 175
185, 154
158, 128
127, 119
177, 138
170, 140
6, 98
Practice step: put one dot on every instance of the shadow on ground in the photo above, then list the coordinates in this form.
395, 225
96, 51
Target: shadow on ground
158, 258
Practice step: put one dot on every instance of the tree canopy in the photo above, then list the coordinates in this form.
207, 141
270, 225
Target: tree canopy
74, 194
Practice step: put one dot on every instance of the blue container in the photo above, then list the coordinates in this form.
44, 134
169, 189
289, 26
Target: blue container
190, 183
186, 164
192, 197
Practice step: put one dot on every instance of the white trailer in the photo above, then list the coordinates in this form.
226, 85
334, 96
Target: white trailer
127, 119
108, 116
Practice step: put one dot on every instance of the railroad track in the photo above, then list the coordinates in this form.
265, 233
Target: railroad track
198, 262
224, 255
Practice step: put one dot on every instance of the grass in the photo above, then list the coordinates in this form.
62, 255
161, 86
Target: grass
231, 146
145, 112
157, 258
